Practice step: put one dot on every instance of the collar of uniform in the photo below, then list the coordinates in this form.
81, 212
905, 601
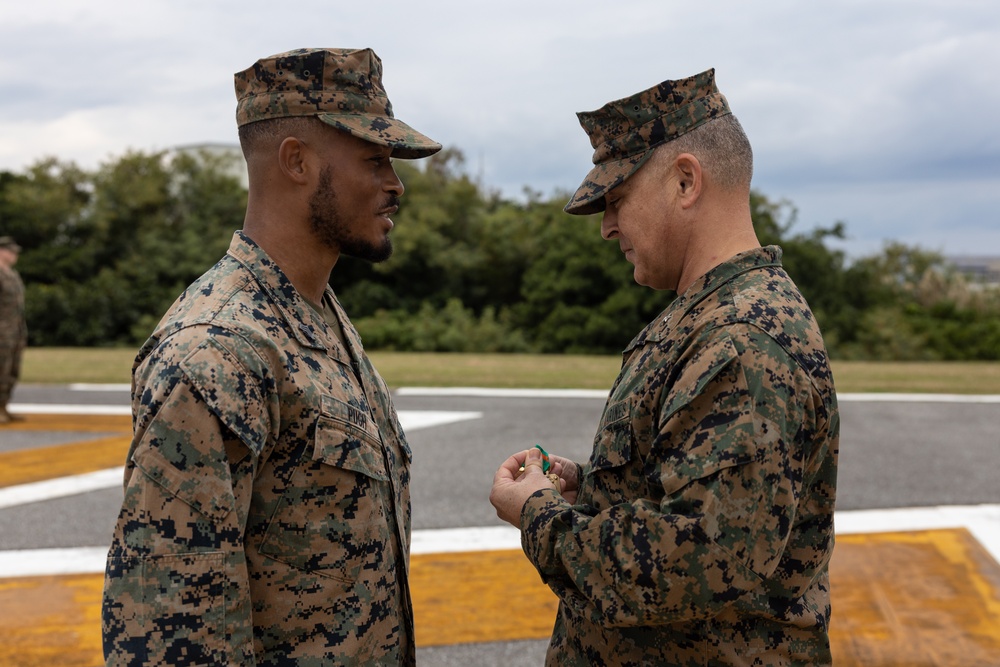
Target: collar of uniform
348, 350
703, 287
351, 336
304, 322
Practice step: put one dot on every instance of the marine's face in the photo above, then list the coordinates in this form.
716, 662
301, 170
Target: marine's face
8, 257
357, 191
641, 215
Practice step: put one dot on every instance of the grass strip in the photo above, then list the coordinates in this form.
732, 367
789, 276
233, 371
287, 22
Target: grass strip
531, 371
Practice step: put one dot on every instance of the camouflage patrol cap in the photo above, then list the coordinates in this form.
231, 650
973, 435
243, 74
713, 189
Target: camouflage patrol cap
341, 87
625, 132
8, 243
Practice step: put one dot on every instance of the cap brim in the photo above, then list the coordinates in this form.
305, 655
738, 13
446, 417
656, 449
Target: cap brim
604, 177
405, 142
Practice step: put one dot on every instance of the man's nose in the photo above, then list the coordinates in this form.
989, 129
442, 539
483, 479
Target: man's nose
393, 184
609, 224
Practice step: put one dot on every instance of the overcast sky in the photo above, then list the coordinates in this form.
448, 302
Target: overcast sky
883, 114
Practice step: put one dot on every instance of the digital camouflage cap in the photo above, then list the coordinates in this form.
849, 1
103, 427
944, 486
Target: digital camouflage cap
625, 132
8, 243
341, 87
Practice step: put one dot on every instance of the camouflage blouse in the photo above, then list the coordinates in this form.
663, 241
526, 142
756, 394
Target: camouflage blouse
266, 518
704, 524
13, 330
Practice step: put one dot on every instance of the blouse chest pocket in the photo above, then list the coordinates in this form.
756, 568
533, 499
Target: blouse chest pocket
346, 437
332, 520
614, 473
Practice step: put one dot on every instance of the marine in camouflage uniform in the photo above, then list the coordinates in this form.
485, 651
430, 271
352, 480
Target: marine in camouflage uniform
266, 517
13, 329
702, 526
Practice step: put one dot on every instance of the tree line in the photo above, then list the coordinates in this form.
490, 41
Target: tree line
106, 251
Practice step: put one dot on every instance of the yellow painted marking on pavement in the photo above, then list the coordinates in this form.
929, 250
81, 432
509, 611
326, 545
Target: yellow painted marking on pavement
483, 596
24, 466
923, 597
926, 597
35, 465
915, 598
51, 621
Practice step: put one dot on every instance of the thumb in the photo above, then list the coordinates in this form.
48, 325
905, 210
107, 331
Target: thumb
533, 460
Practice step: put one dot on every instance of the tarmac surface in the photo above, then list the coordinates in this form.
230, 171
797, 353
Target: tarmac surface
917, 483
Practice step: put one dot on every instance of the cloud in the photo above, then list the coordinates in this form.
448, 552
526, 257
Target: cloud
857, 110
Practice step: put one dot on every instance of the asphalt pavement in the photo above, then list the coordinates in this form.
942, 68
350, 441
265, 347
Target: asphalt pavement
894, 454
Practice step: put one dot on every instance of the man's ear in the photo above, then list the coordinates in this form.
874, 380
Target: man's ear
689, 179
293, 160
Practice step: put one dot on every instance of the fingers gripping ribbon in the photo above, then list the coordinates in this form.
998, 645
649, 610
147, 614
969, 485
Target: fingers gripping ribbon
545, 465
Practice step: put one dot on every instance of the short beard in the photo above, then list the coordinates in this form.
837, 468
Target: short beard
328, 225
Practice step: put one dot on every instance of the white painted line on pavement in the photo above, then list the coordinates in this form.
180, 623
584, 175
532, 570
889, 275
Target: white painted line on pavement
54, 409
88, 386
48, 562
414, 420
22, 494
49, 489
486, 392
983, 521
458, 540
411, 420
918, 398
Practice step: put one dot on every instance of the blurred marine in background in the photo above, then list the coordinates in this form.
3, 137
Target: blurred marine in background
13, 329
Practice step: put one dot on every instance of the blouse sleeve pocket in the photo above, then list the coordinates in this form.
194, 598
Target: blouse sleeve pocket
183, 452
699, 371
230, 391
707, 424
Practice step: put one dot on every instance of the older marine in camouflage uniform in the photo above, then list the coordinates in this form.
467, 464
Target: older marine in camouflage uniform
700, 531
13, 329
266, 518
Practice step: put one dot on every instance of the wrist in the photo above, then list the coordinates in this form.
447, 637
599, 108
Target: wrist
537, 502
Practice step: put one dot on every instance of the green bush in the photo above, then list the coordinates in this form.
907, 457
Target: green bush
107, 251
452, 328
